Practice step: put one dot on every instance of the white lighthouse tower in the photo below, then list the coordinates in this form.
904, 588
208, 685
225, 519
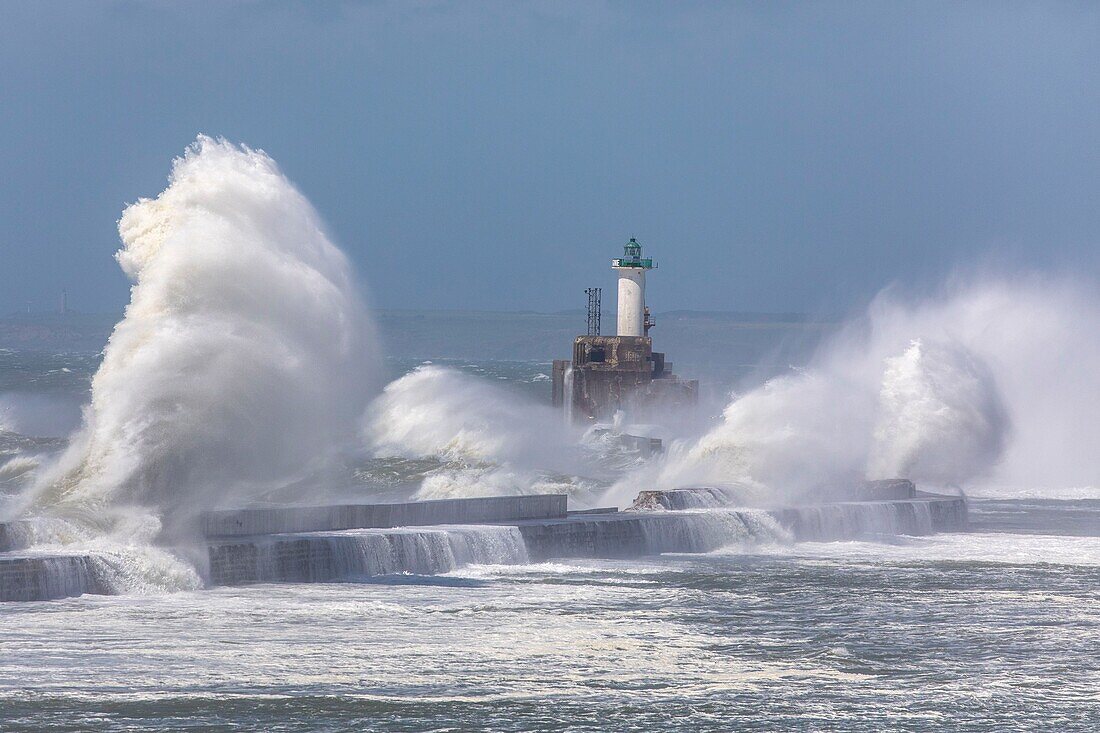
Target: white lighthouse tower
609, 375
631, 309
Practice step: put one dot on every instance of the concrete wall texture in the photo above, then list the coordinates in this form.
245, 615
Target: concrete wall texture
291, 545
242, 522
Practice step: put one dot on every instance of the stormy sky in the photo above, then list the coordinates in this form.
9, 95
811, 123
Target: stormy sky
495, 155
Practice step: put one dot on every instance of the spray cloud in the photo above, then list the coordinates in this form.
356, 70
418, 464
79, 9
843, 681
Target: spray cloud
988, 383
243, 360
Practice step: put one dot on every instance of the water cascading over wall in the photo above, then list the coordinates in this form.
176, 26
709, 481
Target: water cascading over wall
829, 522
322, 556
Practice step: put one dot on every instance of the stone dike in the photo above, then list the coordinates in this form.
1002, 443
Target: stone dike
46, 578
319, 544
478, 510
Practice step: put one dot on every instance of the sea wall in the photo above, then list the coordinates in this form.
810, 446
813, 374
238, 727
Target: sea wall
318, 556
637, 533
324, 556
481, 510
853, 520
949, 514
925, 514
703, 497
25, 578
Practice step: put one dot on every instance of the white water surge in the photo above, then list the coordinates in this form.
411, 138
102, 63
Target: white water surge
487, 440
437, 411
985, 384
694, 531
242, 363
320, 556
966, 388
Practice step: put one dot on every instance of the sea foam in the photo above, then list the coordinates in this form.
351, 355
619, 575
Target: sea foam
243, 362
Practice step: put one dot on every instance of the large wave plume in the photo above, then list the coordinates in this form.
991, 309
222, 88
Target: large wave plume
988, 383
481, 439
242, 363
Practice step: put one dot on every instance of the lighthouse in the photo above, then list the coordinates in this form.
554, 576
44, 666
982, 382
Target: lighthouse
632, 267
621, 373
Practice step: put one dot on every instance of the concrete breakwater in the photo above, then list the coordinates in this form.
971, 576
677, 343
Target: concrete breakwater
319, 544
907, 512
705, 497
851, 520
635, 534
478, 510
320, 556
30, 578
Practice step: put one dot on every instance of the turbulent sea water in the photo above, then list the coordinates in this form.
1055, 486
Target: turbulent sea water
246, 371
845, 636
993, 630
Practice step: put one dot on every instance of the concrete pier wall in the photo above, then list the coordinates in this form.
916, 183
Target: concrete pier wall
916, 514
853, 520
324, 556
48, 578
949, 514
703, 497
616, 535
317, 556
638, 533
676, 499
481, 510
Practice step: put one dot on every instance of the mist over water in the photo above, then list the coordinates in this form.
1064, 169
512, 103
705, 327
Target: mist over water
982, 386
242, 373
242, 364
435, 410
987, 383
486, 439
245, 371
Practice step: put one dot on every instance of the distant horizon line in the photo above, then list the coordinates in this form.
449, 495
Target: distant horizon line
790, 315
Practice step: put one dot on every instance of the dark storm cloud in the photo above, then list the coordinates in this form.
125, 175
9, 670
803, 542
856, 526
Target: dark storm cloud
773, 156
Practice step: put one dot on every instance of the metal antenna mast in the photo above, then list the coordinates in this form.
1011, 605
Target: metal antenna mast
593, 310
